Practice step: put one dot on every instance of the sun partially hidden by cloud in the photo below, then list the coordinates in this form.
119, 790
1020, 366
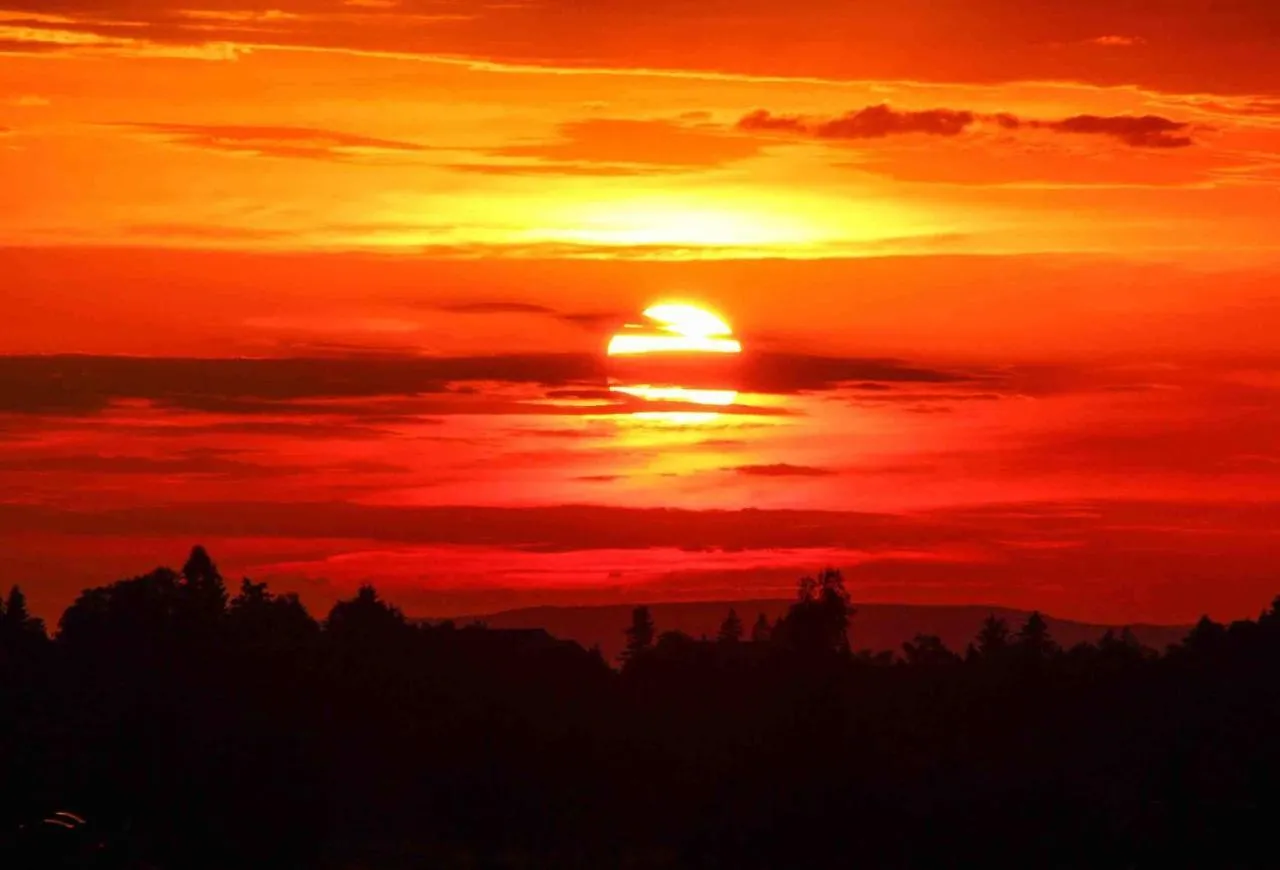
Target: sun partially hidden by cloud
677, 327
671, 359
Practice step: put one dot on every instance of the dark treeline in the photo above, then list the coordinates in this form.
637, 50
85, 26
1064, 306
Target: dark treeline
176, 725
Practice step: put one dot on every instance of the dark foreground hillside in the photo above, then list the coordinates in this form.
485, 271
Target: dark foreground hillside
876, 627
172, 725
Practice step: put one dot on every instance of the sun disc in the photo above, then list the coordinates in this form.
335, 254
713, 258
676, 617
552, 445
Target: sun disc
677, 328
672, 360
688, 320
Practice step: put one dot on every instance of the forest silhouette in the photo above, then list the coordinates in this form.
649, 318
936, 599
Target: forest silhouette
168, 723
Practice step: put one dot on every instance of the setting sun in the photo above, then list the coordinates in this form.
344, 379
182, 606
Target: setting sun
540, 371
678, 327
674, 360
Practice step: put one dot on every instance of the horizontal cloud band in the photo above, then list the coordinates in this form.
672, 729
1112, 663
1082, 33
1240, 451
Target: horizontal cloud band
84, 384
877, 122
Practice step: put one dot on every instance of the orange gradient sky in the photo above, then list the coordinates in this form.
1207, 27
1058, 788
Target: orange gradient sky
328, 286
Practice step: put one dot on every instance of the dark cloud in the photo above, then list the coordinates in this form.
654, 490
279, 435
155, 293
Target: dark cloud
588, 395
1145, 131
592, 320
346, 350
569, 528
783, 373
877, 122
191, 462
762, 120
896, 395
556, 433
873, 122
782, 469
80, 384
392, 387
25, 46
317, 429
291, 142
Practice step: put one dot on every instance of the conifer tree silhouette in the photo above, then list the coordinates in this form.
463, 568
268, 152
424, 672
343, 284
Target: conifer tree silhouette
640, 634
731, 628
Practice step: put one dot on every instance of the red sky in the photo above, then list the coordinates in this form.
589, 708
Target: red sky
327, 287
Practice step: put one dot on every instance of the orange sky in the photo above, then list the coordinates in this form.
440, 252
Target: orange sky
339, 278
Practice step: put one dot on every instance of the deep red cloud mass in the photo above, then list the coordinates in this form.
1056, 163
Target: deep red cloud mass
782, 469
877, 122
873, 122
79, 384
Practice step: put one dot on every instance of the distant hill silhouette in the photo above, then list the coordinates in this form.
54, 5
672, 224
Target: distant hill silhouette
876, 627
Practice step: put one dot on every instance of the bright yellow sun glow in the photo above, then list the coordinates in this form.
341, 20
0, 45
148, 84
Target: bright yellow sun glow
679, 328
687, 319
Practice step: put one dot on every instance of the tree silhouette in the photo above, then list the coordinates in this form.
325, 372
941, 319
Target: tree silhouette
762, 631
15, 607
1033, 640
1207, 638
1270, 618
202, 583
674, 643
365, 619
381, 743
818, 621
259, 618
1123, 648
16, 617
993, 637
731, 628
640, 633
927, 650
126, 617
18, 628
